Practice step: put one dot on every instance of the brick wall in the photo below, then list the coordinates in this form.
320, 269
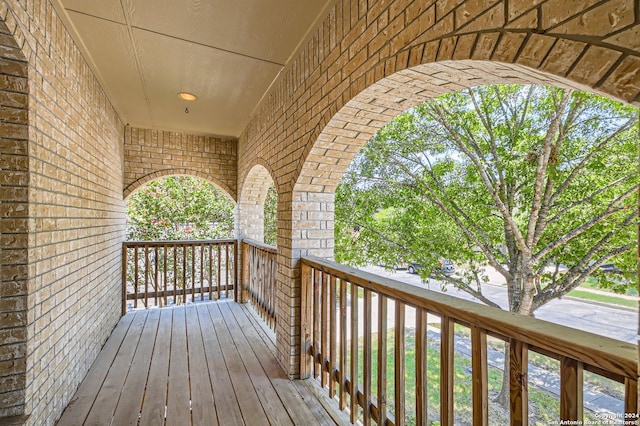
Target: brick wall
152, 154
74, 205
14, 181
370, 60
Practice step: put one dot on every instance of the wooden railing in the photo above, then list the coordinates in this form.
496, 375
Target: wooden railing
259, 278
161, 273
360, 331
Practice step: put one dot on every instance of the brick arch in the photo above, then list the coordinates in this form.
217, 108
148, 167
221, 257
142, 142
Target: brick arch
348, 129
252, 195
178, 172
149, 154
369, 61
429, 69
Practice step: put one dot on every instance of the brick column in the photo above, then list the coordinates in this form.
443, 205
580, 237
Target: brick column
14, 226
305, 224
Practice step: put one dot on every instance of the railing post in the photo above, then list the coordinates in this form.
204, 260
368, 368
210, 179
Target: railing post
306, 322
236, 272
124, 278
244, 285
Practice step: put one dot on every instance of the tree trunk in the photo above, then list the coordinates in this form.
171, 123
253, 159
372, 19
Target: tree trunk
525, 307
503, 397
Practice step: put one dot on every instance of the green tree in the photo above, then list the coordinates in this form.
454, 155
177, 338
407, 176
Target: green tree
539, 183
179, 208
271, 216
522, 178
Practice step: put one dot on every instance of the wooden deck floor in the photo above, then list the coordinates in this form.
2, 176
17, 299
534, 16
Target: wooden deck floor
203, 364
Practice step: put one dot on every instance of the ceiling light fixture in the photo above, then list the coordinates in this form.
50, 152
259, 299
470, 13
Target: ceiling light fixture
186, 96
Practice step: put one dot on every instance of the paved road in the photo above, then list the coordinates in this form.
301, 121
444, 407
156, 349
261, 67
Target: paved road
621, 324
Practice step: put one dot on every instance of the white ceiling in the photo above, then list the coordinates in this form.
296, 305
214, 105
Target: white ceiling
227, 52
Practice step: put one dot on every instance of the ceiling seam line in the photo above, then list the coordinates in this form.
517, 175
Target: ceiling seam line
137, 59
209, 46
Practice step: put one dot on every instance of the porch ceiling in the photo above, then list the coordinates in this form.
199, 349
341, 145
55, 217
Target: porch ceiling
228, 53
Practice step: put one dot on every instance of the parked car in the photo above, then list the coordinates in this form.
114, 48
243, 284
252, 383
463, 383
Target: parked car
444, 267
396, 266
610, 267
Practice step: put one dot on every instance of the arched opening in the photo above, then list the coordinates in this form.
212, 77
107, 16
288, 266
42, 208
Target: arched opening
180, 246
179, 207
414, 193
257, 207
354, 124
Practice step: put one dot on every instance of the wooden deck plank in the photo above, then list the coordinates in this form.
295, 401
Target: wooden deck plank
202, 364
86, 394
271, 403
224, 396
178, 392
153, 405
290, 396
202, 402
108, 396
128, 408
250, 406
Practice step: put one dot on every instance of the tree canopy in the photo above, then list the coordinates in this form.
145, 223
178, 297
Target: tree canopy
540, 183
179, 208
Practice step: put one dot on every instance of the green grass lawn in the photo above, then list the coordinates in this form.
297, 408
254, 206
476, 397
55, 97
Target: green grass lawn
603, 298
543, 407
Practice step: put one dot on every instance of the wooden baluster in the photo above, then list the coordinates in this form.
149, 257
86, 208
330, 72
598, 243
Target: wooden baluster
135, 279
343, 345
480, 377
518, 367
447, 366
571, 380
382, 359
262, 284
421, 367
324, 321
226, 271
316, 301
210, 271
218, 278
631, 397
165, 269
175, 274
146, 276
185, 281
201, 272
156, 278
354, 354
333, 336
193, 272
366, 368
399, 373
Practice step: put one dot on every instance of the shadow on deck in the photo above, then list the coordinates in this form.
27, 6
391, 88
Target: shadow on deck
201, 364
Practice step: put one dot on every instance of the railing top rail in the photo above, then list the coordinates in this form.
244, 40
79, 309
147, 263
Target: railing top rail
617, 357
176, 242
261, 246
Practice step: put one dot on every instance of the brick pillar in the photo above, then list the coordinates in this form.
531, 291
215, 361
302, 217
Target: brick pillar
14, 218
305, 227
